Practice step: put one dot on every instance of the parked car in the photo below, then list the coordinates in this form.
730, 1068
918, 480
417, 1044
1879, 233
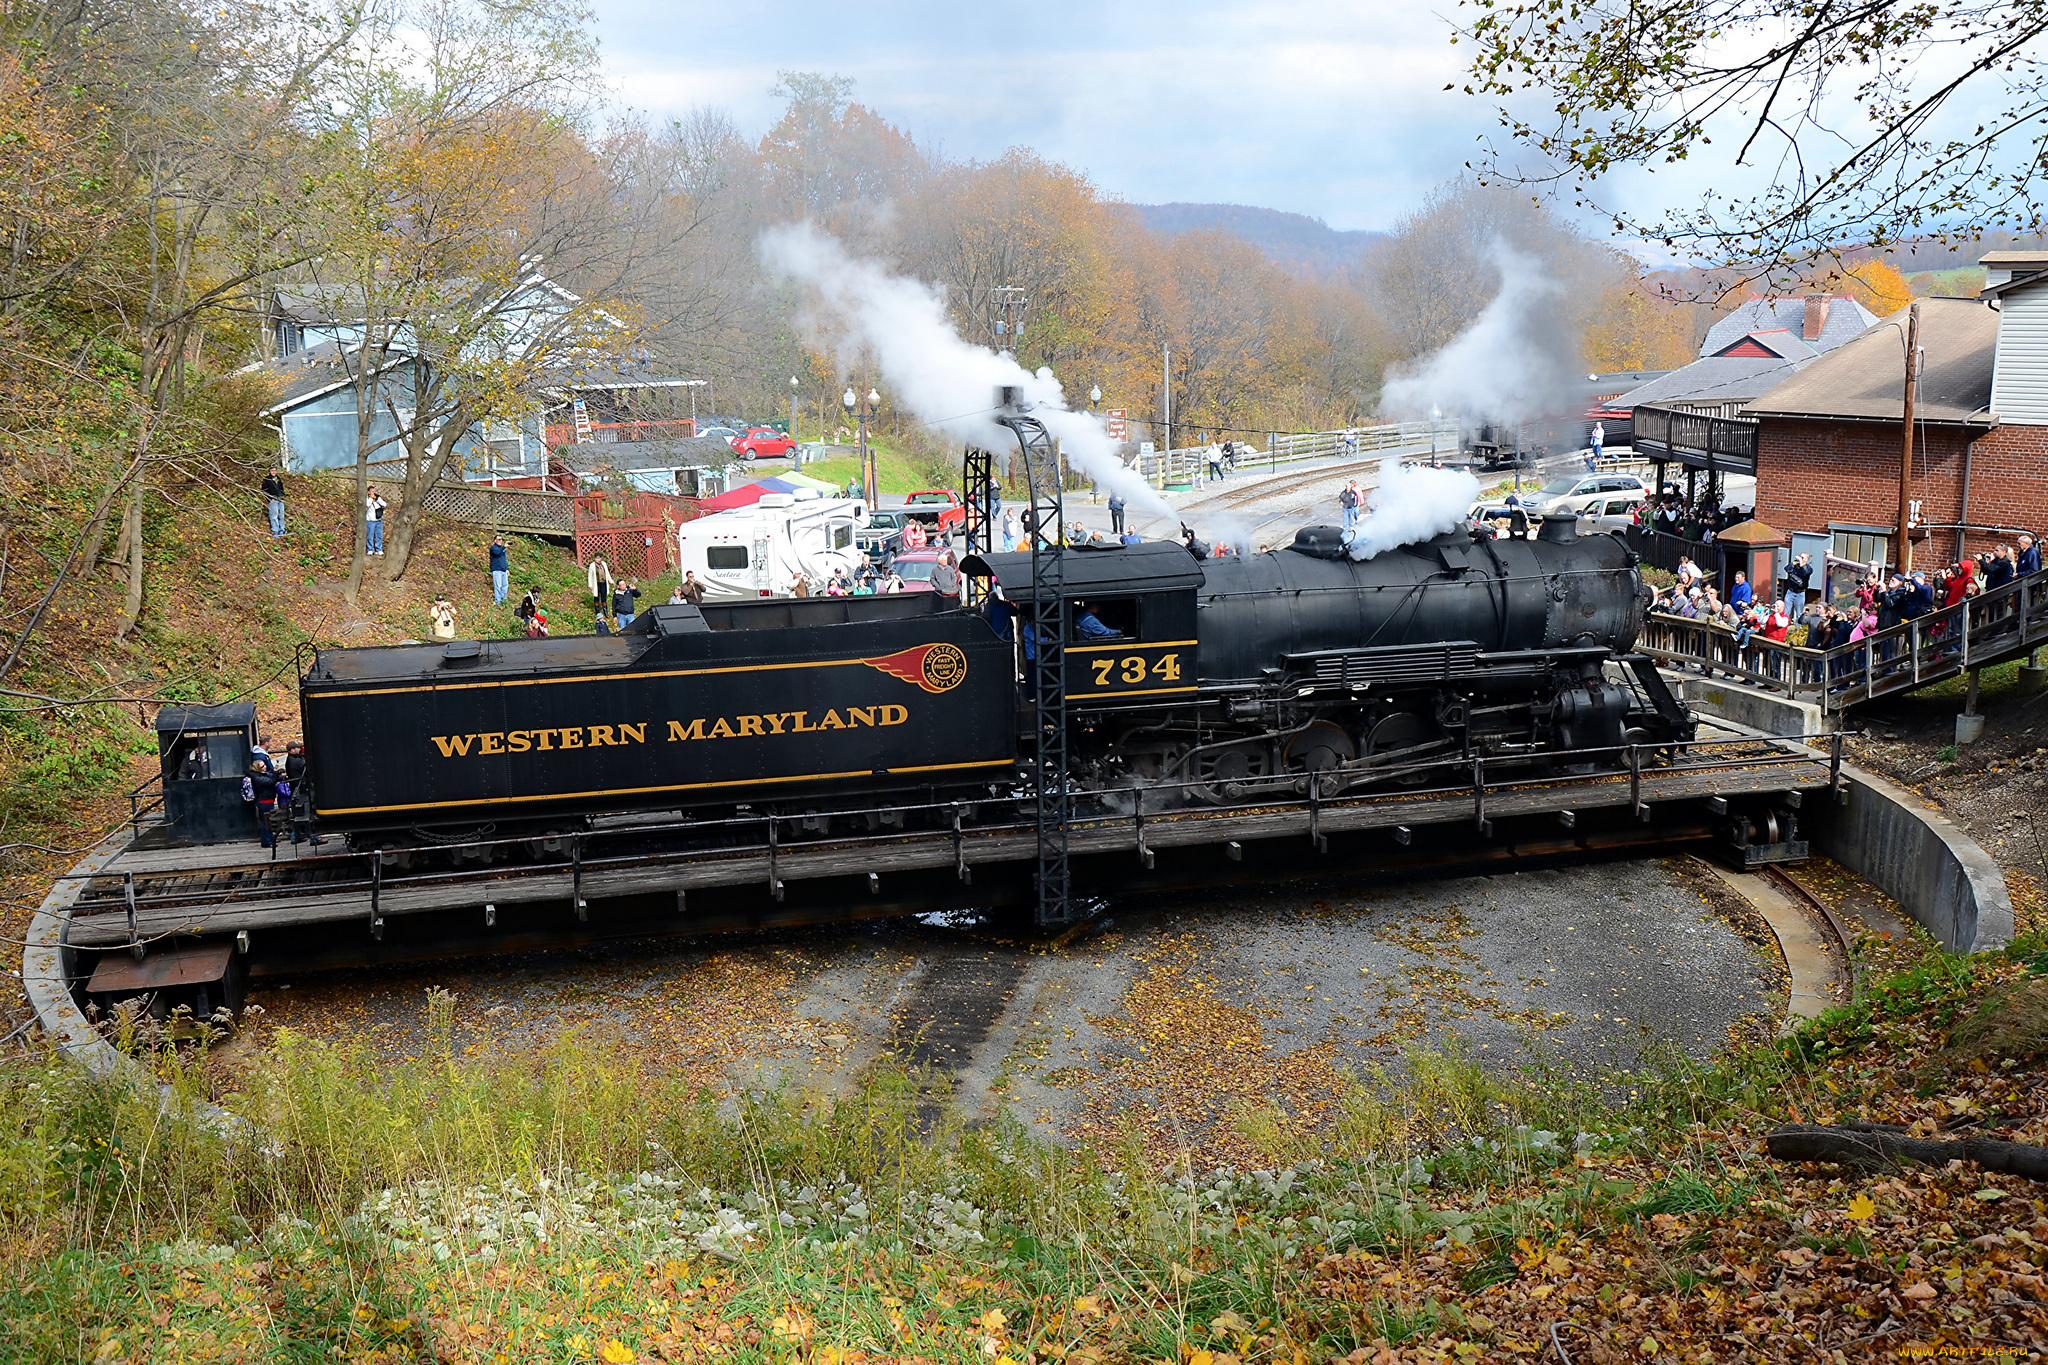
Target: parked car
1582, 492
928, 571
729, 434
882, 537
764, 443
1616, 508
940, 509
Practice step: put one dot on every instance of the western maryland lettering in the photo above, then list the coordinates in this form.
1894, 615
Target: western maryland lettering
789, 723
763, 725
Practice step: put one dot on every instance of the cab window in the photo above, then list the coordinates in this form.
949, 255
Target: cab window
1120, 614
725, 557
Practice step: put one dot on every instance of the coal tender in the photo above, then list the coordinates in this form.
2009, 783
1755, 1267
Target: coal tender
685, 708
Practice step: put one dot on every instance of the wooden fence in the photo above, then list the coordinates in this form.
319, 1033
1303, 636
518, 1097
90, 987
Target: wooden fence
635, 533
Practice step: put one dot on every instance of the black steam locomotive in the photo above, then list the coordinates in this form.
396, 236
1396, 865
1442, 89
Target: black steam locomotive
1223, 677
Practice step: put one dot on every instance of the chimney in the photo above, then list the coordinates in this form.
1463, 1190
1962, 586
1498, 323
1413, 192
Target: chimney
1816, 316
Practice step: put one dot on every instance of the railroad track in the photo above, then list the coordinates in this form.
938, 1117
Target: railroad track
1831, 928
1282, 485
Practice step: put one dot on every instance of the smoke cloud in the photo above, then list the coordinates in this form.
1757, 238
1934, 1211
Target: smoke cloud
1413, 502
947, 381
1517, 361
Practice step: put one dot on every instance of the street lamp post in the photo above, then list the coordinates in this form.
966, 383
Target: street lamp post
1094, 397
856, 408
796, 450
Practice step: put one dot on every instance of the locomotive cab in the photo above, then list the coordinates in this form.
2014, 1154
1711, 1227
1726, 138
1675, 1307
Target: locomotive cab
202, 752
1127, 613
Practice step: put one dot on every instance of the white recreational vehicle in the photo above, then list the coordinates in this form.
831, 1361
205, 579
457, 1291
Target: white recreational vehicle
755, 552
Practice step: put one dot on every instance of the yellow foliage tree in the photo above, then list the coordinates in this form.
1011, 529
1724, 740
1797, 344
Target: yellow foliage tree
1878, 286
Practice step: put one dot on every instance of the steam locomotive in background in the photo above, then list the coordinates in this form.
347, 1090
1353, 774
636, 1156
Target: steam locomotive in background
1223, 677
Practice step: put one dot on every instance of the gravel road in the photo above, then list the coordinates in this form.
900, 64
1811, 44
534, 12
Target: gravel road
1176, 1018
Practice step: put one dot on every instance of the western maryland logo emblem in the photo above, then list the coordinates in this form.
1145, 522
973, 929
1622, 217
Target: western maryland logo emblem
935, 668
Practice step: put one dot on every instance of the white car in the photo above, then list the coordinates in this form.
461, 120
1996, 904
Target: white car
1588, 494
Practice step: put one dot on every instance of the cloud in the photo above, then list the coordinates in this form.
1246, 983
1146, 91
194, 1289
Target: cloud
1335, 111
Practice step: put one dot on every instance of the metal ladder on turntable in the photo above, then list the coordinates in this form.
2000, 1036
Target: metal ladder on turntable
1052, 806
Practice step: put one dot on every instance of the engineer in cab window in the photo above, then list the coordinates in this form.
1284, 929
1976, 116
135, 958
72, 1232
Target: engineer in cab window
1089, 626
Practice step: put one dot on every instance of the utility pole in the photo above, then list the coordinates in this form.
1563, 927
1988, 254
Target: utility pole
1166, 403
1904, 558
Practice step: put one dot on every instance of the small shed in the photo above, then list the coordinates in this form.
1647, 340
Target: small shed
1755, 549
204, 752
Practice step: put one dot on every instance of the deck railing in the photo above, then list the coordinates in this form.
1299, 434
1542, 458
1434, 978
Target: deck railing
2000, 624
1284, 449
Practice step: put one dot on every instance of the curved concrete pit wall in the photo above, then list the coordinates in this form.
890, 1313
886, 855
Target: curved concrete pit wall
1938, 874
47, 969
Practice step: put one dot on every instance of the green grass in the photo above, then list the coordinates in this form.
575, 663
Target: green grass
898, 468
1961, 282
53, 759
556, 1205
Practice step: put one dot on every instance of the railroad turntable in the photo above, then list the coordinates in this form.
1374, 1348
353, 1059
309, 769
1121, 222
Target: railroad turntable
1087, 722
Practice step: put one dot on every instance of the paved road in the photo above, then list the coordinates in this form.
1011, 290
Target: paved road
1256, 506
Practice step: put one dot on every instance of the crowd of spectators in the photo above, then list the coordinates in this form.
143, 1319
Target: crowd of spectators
1797, 610
1701, 520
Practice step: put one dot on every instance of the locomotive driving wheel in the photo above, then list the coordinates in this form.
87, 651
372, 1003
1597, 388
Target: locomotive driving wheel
1318, 748
1401, 730
1230, 773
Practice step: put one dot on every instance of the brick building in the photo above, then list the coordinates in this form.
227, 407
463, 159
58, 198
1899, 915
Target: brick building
1829, 443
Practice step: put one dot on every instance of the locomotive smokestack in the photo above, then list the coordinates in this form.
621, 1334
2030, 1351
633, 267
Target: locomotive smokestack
1010, 398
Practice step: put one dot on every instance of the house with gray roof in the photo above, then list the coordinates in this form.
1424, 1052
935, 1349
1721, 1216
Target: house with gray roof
1750, 352
1824, 321
314, 331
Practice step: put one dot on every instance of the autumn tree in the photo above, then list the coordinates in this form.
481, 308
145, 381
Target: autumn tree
146, 191
1878, 286
1861, 125
1639, 326
453, 182
831, 160
1021, 224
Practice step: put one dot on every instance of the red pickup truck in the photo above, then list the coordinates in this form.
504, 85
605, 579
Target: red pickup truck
939, 509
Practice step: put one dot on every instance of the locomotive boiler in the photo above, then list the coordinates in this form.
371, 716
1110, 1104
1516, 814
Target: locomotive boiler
1236, 669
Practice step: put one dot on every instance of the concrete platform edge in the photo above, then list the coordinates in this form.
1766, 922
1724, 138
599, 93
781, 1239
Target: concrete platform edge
1939, 875
46, 970
1753, 707
1810, 967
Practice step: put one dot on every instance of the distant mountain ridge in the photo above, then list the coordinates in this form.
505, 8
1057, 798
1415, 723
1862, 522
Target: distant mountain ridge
1305, 245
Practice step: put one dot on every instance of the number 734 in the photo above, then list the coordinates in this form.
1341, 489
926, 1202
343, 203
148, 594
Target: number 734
1133, 668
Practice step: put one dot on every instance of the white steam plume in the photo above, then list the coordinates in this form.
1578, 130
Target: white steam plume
947, 381
1516, 361
1413, 502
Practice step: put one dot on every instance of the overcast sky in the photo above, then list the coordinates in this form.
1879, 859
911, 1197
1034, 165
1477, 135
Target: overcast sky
1330, 109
